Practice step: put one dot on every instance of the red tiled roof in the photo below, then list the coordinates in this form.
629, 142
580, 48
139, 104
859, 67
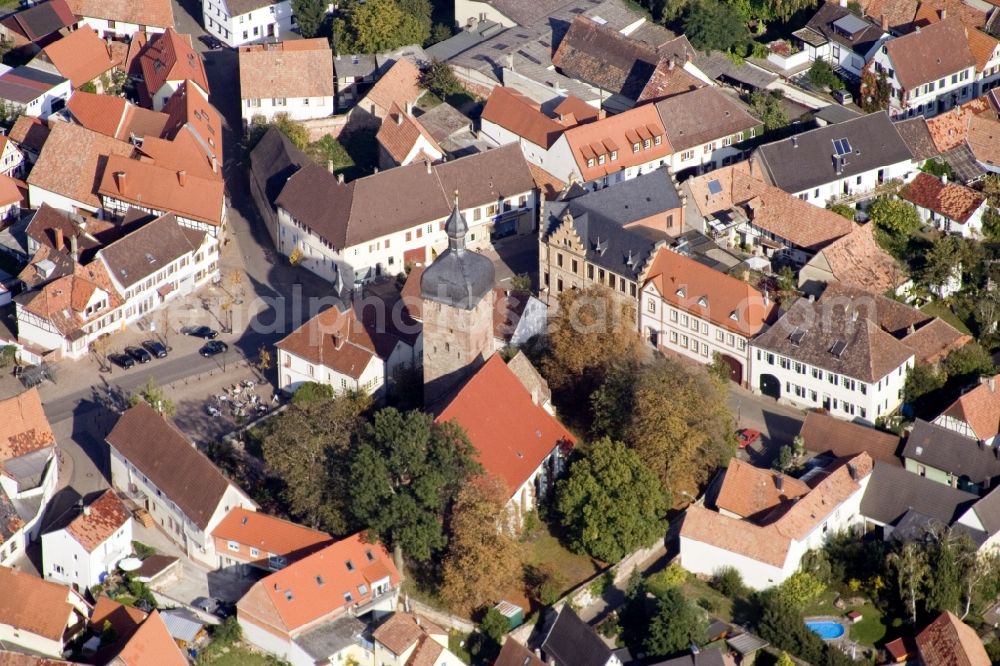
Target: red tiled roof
337, 340
24, 428
983, 47
99, 520
403, 630
81, 56
618, 133
953, 200
549, 185
512, 436
268, 534
162, 188
947, 641
298, 68
399, 85
152, 13
34, 605
313, 589
684, 283
400, 131
749, 491
170, 57
520, 115
151, 645
938, 50
980, 408
114, 116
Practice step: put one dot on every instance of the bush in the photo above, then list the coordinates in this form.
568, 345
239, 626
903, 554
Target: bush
495, 625
671, 577
228, 632
821, 75
550, 588
142, 551
729, 583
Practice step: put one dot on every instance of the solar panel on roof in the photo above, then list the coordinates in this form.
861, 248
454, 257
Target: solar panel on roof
797, 335
838, 348
714, 186
841, 147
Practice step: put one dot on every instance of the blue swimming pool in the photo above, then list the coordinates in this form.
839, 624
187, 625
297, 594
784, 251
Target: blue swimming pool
826, 629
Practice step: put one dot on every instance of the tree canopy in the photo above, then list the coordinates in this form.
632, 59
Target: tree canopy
767, 105
154, 396
713, 26
375, 26
676, 626
309, 15
611, 503
440, 79
484, 561
406, 471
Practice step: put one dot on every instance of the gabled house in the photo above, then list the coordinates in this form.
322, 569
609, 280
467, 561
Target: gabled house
83, 58
115, 117
517, 441
403, 140
948, 639
608, 236
975, 414
824, 434
151, 644
272, 162
312, 611
39, 616
847, 352
294, 78
352, 72
36, 91
840, 37
670, 78
352, 232
11, 198
746, 492
951, 208
123, 18
30, 134
11, 159
702, 314
350, 350
570, 640
245, 539
238, 22
857, 260
844, 160
767, 547
986, 50
611, 149
513, 653
404, 639
929, 71
158, 467
38, 25
399, 85
86, 543
511, 117
29, 469
947, 457
707, 128
167, 61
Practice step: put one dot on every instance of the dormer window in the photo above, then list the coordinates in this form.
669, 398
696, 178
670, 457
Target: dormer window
681, 292
657, 140
635, 147
645, 144
600, 159
349, 565
734, 315
703, 301
614, 155
590, 162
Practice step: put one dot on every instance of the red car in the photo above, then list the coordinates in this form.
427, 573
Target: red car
747, 437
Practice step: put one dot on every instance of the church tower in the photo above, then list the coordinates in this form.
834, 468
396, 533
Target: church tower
457, 312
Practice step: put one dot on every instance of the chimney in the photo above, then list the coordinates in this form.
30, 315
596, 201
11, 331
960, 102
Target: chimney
510, 61
416, 618
853, 471
778, 481
409, 108
670, 65
374, 170
340, 179
399, 119
329, 166
338, 340
795, 142
992, 384
182, 177
916, 28
120, 180
73, 248
59, 239
429, 170
944, 179
943, 13
86, 510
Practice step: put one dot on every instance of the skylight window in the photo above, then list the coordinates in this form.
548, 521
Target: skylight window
841, 147
714, 186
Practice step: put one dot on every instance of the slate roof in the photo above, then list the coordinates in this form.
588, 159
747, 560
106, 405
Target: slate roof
952, 200
571, 641
295, 68
514, 654
603, 57
273, 161
41, 20
160, 451
806, 160
825, 434
934, 52
893, 491
987, 510
841, 315
708, 656
352, 213
149, 249
703, 115
861, 36
946, 450
464, 40
917, 137
24, 84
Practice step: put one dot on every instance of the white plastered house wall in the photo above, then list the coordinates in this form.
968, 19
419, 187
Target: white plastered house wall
13, 548
117, 29
867, 181
270, 21
930, 97
66, 561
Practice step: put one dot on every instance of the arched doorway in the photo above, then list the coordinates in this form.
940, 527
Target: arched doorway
770, 386
735, 368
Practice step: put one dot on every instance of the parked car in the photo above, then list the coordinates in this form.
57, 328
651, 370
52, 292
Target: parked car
155, 347
225, 610
212, 348
207, 604
122, 360
211, 42
843, 96
139, 354
213, 411
747, 437
205, 332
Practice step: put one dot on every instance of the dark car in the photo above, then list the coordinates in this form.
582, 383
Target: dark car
155, 347
225, 610
212, 348
207, 604
211, 42
122, 360
203, 332
139, 354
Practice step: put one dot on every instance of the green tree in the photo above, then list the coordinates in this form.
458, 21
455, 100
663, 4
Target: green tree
782, 625
938, 168
784, 460
495, 625
668, 579
681, 428
309, 15
405, 473
909, 564
712, 26
784, 660
155, 397
108, 633
375, 26
307, 449
440, 32
875, 91
676, 626
943, 262
799, 589
953, 555
968, 362
330, 153
611, 504
312, 392
612, 404
821, 75
294, 130
484, 561
768, 106
922, 380
895, 221
440, 79
991, 224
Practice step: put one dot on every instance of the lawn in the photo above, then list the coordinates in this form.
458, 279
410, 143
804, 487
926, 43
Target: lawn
236, 655
543, 548
939, 309
712, 601
869, 631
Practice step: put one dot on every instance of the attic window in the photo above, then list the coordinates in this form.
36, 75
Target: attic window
703, 301
734, 315
350, 565
288, 595
348, 597
150, 258
681, 292
244, 521
714, 187
841, 147
362, 589
797, 335
319, 581
838, 348
370, 556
